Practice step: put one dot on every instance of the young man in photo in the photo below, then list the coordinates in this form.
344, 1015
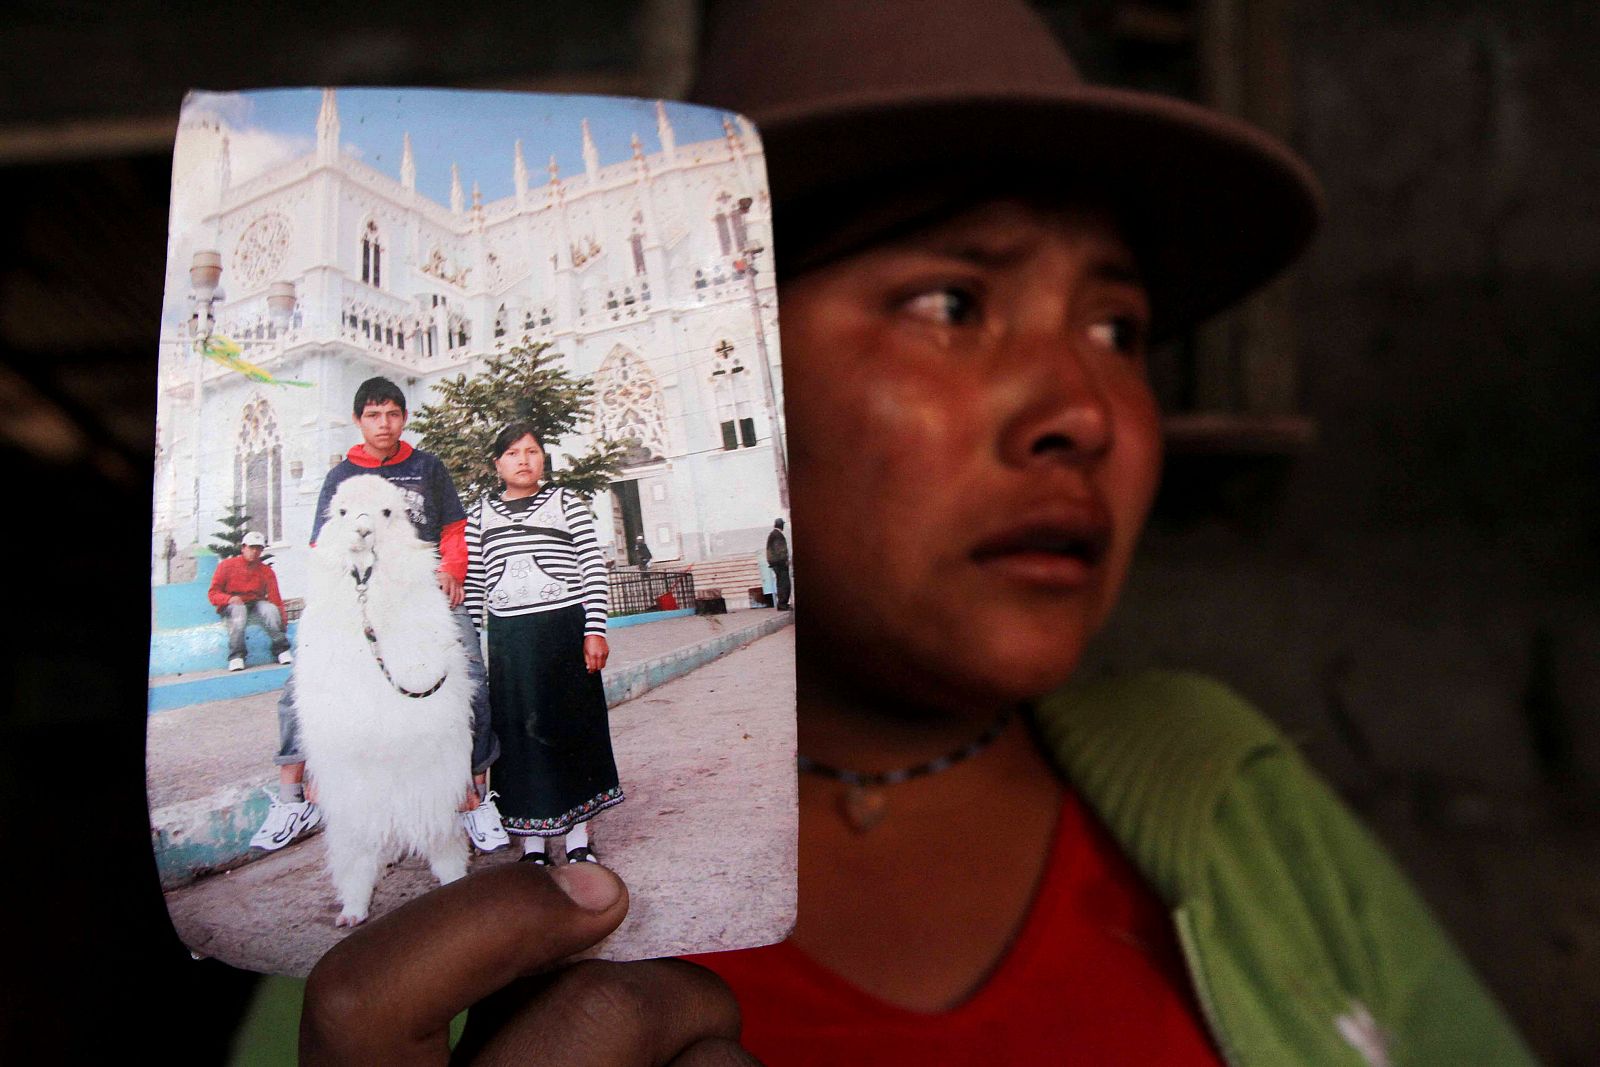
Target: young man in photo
244, 589
379, 411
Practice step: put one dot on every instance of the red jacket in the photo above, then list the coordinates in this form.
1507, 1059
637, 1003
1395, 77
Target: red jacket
248, 582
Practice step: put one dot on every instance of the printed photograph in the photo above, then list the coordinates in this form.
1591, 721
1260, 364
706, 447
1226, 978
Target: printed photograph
470, 535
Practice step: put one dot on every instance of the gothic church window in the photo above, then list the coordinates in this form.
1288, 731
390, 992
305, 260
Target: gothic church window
258, 469
629, 407
729, 227
371, 257
731, 388
637, 241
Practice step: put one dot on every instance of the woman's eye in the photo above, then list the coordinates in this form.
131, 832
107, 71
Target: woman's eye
946, 307
1122, 333
342, 511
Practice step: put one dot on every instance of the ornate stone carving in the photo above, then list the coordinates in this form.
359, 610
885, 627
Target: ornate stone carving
629, 407
261, 249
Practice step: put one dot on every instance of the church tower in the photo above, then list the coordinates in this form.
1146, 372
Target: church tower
408, 165
591, 155
328, 129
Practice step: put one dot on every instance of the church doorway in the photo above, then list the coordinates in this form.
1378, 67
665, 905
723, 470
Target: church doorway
629, 517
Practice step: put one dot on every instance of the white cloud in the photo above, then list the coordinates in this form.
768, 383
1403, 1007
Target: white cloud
253, 151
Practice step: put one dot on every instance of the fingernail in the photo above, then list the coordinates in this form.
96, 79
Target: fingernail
590, 886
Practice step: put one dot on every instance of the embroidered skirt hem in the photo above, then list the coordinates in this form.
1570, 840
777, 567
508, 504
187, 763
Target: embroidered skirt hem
561, 824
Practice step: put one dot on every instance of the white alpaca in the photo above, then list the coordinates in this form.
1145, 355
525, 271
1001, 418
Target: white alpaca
388, 741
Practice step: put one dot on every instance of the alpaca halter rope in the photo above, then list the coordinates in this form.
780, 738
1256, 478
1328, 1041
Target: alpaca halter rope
864, 804
361, 579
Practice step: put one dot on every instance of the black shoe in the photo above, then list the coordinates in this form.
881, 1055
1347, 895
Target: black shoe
537, 858
581, 854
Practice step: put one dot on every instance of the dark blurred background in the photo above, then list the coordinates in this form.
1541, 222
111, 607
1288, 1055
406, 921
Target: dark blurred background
1380, 519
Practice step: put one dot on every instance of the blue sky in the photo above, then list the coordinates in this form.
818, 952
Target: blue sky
473, 129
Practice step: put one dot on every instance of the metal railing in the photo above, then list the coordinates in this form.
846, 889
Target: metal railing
633, 592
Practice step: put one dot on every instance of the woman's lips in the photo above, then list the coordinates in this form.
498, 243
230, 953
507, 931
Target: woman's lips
1051, 554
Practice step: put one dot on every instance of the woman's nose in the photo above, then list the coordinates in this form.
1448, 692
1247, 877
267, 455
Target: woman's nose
1059, 411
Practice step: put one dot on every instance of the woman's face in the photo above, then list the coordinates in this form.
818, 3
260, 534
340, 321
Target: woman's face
974, 449
521, 465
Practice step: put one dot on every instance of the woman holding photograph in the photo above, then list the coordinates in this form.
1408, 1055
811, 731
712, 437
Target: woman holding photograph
976, 250
537, 582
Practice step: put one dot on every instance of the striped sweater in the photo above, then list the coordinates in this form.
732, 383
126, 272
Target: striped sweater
539, 559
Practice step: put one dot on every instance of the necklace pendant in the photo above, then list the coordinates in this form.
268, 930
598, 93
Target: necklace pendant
863, 808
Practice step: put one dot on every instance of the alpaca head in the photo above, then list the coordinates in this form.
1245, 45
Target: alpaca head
366, 520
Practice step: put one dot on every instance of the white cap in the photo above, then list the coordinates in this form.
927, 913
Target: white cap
257, 538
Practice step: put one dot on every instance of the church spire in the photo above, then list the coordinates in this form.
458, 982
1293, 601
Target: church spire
519, 172
224, 166
591, 155
408, 164
457, 201
668, 139
328, 129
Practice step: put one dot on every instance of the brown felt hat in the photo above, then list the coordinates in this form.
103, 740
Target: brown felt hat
880, 115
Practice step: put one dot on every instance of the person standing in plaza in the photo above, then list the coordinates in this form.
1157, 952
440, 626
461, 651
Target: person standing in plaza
244, 588
778, 560
536, 582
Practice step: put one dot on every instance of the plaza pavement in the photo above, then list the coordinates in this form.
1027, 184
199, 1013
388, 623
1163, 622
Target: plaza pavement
208, 765
705, 841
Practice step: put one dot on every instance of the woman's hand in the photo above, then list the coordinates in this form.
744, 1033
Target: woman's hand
595, 652
491, 942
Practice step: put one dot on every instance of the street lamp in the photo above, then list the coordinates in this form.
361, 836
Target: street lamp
205, 272
748, 264
205, 279
280, 305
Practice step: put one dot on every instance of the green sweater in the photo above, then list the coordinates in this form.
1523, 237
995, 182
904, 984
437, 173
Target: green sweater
1304, 942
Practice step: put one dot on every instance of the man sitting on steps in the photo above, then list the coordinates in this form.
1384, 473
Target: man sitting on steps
244, 588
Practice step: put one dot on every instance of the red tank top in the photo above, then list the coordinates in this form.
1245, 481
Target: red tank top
1094, 977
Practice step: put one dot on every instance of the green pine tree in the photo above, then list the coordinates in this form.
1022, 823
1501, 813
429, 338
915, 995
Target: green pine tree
229, 540
525, 384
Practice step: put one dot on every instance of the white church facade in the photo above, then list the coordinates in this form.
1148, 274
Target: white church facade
632, 271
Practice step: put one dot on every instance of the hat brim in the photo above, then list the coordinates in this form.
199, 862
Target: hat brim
1213, 207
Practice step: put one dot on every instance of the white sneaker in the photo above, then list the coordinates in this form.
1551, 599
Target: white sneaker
284, 657
284, 823
236, 664
483, 825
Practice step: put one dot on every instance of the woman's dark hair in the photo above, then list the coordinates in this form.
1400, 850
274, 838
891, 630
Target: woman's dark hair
511, 435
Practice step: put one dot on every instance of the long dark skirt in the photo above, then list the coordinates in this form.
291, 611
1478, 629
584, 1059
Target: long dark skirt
555, 768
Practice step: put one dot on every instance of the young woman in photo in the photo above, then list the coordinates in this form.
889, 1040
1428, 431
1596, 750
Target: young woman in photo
536, 582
